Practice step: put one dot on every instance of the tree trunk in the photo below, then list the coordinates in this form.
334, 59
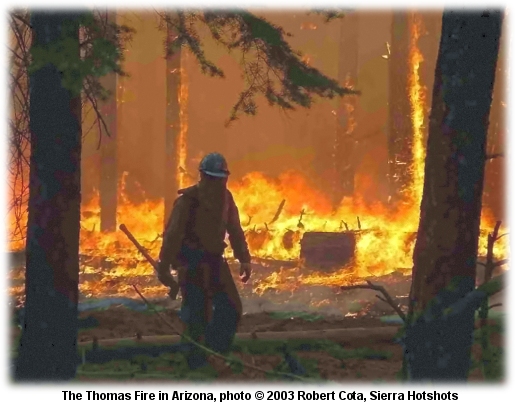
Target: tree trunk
173, 123
344, 169
108, 160
447, 239
48, 345
400, 133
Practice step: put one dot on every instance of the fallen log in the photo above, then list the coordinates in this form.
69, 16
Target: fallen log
335, 250
327, 250
376, 334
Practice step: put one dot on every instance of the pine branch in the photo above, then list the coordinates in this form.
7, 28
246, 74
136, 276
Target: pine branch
271, 68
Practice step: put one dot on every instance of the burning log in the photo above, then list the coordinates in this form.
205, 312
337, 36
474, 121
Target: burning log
332, 250
327, 250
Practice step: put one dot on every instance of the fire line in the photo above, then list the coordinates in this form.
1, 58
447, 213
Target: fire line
384, 245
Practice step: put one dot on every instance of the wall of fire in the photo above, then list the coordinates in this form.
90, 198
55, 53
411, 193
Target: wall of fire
273, 141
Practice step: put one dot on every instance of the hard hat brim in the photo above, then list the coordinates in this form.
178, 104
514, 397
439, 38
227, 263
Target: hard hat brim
215, 174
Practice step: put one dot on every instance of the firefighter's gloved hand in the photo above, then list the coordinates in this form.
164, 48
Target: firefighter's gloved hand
164, 275
245, 272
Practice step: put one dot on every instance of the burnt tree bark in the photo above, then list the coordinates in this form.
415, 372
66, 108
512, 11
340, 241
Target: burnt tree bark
173, 121
438, 342
344, 169
399, 136
108, 150
48, 344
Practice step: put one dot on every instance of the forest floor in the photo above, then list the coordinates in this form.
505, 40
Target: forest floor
366, 353
345, 336
327, 347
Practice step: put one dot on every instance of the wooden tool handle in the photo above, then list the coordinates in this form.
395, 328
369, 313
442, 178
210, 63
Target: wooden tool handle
174, 289
140, 248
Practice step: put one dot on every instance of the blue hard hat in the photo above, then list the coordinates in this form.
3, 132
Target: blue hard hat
214, 164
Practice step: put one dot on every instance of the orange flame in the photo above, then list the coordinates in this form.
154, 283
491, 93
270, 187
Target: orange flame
182, 146
18, 215
417, 99
110, 263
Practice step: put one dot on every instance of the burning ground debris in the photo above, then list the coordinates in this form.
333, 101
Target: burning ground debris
383, 245
272, 289
289, 221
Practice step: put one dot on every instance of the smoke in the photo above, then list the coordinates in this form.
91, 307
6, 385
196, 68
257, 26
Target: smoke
272, 142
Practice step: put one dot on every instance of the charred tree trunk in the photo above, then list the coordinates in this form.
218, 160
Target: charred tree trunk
399, 137
108, 159
48, 345
438, 343
344, 169
173, 121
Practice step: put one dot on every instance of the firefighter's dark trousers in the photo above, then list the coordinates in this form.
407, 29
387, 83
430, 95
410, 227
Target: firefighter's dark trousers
211, 305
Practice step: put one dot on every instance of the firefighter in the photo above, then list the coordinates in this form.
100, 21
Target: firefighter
193, 245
